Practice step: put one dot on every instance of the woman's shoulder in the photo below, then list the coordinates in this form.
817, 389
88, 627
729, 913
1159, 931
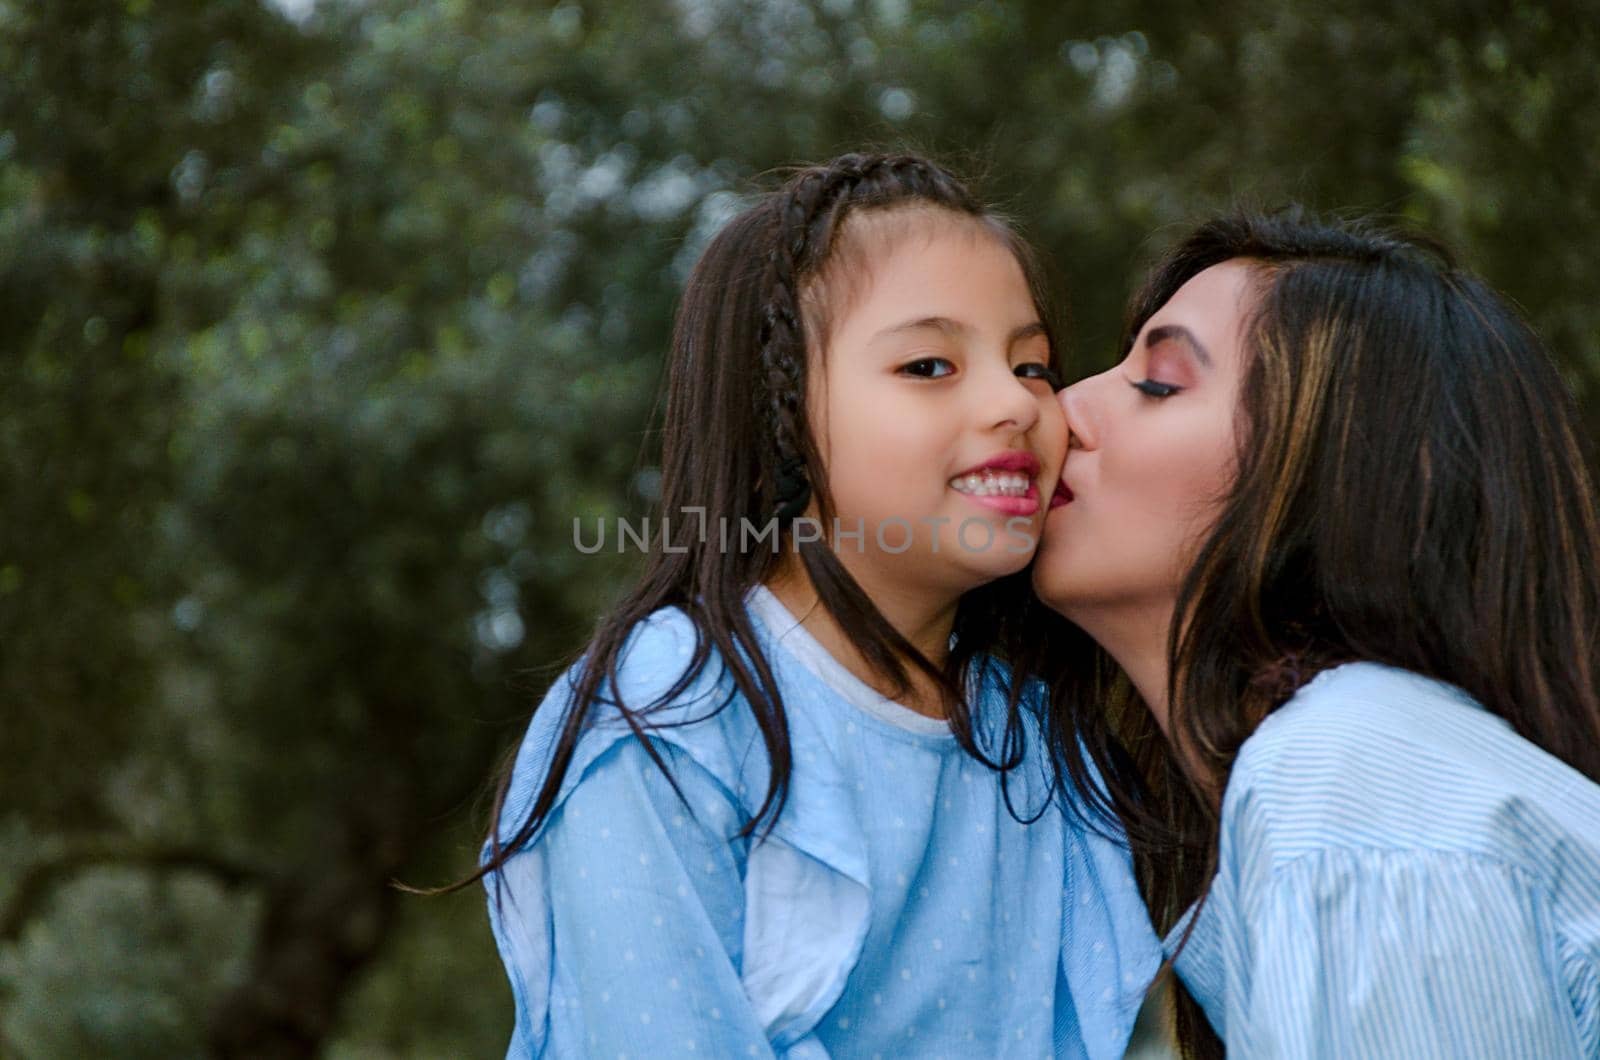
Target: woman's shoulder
1347, 712
1369, 757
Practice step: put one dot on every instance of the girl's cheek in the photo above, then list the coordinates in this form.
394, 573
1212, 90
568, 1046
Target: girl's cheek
1057, 454
1052, 417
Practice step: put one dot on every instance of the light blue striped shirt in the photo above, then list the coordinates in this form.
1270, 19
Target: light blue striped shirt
1400, 875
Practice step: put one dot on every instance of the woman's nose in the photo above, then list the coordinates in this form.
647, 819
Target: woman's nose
1079, 403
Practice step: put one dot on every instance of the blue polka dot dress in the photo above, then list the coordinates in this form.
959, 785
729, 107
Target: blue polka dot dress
898, 908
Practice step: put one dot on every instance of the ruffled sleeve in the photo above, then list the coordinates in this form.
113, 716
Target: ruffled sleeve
762, 935
1360, 952
620, 930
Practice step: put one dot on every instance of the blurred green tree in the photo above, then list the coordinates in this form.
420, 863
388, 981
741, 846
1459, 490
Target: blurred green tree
323, 323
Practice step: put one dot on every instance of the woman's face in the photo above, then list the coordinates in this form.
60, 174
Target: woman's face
1152, 449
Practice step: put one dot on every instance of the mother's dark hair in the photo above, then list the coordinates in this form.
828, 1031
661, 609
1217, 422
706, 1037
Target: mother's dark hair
1412, 489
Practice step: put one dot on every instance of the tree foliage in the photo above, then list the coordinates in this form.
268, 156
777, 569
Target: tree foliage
321, 324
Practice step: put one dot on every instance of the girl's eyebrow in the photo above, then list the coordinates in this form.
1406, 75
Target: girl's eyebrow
956, 327
1181, 334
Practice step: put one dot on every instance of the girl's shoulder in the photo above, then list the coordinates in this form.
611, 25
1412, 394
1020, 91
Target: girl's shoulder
659, 689
656, 672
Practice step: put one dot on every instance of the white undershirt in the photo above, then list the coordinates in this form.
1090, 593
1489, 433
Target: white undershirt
798, 640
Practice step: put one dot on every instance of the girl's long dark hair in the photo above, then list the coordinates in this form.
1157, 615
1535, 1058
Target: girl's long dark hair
1412, 489
736, 444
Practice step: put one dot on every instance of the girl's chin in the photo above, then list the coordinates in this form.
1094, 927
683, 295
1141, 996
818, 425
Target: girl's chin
965, 569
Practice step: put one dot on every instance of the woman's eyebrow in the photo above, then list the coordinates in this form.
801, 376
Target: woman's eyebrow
1181, 334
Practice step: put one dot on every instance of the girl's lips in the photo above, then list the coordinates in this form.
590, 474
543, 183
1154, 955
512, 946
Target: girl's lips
1007, 505
1062, 495
1011, 460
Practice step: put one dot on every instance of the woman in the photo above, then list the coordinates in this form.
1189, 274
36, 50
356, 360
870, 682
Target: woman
1331, 554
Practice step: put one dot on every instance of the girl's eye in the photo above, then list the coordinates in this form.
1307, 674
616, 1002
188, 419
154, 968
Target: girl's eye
929, 368
1151, 388
1035, 370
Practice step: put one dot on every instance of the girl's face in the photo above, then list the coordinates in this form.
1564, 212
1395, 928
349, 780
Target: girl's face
1152, 449
933, 409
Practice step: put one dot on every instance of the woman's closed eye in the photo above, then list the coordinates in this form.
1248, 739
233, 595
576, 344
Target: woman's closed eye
1155, 389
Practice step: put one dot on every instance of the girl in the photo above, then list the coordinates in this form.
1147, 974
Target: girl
789, 803
1332, 537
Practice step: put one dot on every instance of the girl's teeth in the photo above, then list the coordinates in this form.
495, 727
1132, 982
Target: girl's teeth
992, 484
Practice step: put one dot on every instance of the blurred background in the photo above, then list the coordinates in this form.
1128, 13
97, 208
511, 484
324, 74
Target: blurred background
320, 321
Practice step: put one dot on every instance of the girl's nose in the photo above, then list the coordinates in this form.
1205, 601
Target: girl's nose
1014, 405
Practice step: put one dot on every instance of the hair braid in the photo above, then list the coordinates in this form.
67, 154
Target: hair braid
807, 214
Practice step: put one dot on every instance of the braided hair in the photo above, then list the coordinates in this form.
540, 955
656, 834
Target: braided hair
738, 448
810, 211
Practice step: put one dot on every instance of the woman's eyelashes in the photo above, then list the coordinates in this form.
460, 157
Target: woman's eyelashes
1152, 388
1160, 364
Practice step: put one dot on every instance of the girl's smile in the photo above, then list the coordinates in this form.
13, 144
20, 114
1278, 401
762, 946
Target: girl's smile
1004, 482
933, 403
